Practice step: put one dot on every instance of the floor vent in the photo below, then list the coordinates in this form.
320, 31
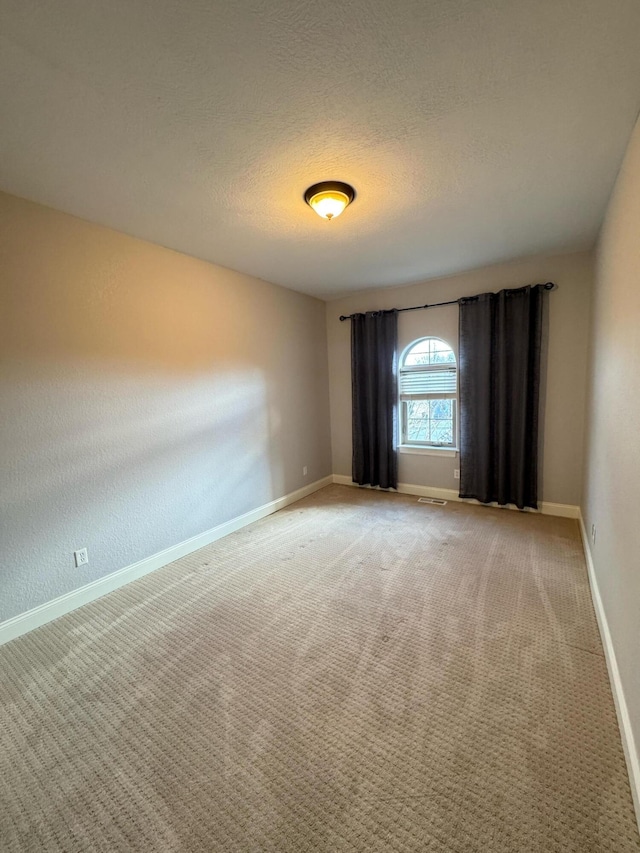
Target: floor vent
437, 501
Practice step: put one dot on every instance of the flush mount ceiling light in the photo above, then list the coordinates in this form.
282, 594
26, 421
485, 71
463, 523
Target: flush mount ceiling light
329, 198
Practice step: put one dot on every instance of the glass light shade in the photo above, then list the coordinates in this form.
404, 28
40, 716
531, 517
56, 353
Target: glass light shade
329, 198
329, 204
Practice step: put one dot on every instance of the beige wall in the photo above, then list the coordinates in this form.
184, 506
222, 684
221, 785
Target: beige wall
563, 388
146, 397
612, 470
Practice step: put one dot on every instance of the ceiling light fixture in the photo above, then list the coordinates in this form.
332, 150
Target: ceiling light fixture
329, 198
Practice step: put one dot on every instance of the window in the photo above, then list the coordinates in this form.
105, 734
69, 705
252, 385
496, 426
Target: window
428, 385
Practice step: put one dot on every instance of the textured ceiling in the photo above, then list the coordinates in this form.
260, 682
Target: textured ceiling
474, 131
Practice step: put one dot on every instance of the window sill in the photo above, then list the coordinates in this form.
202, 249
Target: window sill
427, 451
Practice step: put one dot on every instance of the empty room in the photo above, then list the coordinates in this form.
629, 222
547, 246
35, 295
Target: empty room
319, 426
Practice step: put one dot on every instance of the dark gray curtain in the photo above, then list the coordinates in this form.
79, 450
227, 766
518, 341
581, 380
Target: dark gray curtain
374, 344
500, 337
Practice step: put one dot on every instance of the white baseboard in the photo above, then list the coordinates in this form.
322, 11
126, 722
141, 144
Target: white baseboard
546, 507
624, 721
50, 610
559, 510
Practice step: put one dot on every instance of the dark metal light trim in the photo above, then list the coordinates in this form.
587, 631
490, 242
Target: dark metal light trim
329, 186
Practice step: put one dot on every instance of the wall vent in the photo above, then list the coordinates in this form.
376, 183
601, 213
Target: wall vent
437, 501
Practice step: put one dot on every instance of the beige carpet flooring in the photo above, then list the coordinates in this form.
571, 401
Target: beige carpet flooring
359, 672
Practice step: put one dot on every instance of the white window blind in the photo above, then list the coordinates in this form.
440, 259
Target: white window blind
427, 379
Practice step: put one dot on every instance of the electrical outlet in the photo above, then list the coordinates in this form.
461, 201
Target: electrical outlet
304, 471
593, 533
456, 473
82, 557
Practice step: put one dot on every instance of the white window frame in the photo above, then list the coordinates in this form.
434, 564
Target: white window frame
426, 447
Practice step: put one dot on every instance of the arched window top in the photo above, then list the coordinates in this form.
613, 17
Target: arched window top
428, 351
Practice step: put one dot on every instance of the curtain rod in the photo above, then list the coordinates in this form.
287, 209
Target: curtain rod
548, 286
